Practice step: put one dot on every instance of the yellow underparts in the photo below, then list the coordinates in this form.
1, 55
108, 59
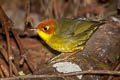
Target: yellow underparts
44, 35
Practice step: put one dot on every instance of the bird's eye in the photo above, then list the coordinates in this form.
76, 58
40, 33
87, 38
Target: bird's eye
46, 28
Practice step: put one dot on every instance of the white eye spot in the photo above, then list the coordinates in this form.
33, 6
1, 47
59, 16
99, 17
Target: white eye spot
46, 28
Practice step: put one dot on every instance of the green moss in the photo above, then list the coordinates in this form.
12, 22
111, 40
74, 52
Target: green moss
99, 63
104, 66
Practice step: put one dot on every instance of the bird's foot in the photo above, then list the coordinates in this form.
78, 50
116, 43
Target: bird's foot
60, 58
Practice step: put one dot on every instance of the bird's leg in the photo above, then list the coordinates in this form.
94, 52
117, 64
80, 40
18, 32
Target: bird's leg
58, 56
72, 54
55, 59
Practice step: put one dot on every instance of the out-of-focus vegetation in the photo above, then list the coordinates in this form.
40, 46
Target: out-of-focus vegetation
63, 8
42, 9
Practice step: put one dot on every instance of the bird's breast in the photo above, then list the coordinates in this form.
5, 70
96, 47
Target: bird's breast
61, 45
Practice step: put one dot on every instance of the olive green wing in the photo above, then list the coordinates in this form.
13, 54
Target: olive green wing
86, 26
65, 27
72, 27
83, 32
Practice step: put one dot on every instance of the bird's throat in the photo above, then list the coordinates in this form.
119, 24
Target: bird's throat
44, 35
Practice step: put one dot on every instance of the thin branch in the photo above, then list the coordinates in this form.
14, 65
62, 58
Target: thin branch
116, 68
55, 5
23, 54
88, 72
5, 22
28, 18
4, 68
27, 8
4, 53
1, 72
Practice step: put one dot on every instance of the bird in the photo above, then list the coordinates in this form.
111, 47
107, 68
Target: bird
67, 35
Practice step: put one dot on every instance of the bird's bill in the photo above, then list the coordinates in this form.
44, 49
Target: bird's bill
34, 29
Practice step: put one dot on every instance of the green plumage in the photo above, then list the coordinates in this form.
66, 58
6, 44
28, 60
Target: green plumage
72, 34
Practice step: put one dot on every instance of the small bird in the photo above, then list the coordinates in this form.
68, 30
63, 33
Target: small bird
67, 35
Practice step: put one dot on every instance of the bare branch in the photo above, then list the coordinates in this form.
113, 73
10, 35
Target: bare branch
88, 72
5, 22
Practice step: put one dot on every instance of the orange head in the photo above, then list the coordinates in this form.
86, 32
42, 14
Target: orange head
46, 29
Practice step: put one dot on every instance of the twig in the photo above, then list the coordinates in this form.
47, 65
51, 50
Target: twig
27, 8
49, 9
28, 19
55, 5
88, 72
23, 54
5, 22
1, 72
4, 68
116, 68
76, 10
4, 53
28, 24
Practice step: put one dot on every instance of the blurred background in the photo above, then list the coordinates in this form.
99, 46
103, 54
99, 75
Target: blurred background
43, 9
